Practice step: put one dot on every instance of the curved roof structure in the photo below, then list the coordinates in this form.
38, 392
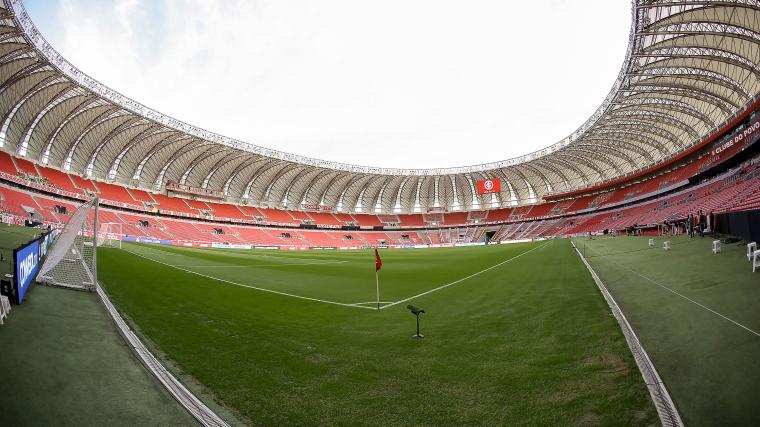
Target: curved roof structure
691, 66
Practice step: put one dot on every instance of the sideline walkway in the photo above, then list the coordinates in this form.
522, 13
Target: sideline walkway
696, 315
62, 362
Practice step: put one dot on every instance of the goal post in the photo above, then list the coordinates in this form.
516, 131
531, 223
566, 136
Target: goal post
71, 261
110, 234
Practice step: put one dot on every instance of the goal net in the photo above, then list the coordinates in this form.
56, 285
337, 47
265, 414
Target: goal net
109, 235
71, 261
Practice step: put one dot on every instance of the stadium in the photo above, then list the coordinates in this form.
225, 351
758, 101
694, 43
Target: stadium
158, 273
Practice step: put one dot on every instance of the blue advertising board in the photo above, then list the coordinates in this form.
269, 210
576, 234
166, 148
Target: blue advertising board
27, 263
46, 241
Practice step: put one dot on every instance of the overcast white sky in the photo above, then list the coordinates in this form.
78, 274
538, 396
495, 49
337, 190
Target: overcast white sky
393, 83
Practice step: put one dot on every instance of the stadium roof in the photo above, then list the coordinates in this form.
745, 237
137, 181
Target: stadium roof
691, 66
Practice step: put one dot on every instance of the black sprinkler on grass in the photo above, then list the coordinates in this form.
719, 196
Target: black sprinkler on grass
416, 311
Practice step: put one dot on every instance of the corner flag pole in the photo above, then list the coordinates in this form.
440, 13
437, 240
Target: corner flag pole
378, 265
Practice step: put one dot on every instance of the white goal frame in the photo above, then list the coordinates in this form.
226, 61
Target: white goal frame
110, 234
71, 262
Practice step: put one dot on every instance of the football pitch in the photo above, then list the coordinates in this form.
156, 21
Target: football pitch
514, 334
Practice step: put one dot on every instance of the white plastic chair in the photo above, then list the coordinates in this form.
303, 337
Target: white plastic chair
716, 247
751, 248
651, 242
666, 245
5, 308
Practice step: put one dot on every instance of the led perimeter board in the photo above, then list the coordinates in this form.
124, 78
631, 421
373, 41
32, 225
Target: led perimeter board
27, 260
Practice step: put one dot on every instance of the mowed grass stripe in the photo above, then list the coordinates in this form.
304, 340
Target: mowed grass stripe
243, 285
530, 343
463, 278
250, 253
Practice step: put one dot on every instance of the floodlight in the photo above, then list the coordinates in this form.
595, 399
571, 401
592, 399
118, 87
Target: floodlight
416, 311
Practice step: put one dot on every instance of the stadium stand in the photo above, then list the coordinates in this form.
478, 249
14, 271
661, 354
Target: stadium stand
6, 164
26, 167
59, 179
520, 213
141, 196
731, 193
250, 211
275, 216
667, 196
20, 203
299, 217
198, 205
455, 218
52, 211
366, 220
739, 190
115, 193
499, 215
388, 219
435, 219
477, 216
345, 219
540, 210
325, 219
411, 220
227, 211
83, 184
173, 204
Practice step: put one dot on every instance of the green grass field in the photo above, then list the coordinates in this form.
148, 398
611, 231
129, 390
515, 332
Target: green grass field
514, 334
697, 316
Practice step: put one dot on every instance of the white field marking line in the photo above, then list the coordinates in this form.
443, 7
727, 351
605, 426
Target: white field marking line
239, 252
166, 253
161, 253
463, 278
690, 300
211, 266
248, 286
372, 302
282, 257
262, 265
300, 263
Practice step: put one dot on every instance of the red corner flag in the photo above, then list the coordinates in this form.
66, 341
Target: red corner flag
378, 261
